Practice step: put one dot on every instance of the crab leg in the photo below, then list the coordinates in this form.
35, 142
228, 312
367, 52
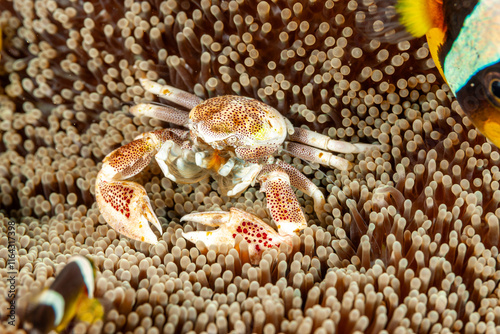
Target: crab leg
255, 231
281, 201
323, 142
301, 182
316, 143
170, 93
161, 112
312, 154
124, 204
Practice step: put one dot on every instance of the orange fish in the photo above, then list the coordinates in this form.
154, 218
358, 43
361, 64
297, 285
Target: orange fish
464, 40
70, 296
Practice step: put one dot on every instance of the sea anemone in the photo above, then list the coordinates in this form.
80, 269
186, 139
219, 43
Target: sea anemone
411, 239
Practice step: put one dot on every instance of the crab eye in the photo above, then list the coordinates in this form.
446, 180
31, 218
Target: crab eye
232, 140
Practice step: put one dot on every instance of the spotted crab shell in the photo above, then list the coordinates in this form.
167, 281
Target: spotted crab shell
253, 129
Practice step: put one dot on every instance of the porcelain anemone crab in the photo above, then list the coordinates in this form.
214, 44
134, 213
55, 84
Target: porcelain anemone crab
232, 139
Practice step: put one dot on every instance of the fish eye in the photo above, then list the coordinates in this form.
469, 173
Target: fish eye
492, 87
495, 88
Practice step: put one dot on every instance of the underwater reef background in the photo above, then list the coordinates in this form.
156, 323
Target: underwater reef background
412, 237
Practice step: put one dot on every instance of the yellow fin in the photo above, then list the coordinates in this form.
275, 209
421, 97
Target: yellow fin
435, 38
90, 310
394, 21
415, 15
69, 313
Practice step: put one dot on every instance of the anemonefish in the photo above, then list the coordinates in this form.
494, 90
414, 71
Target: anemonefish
70, 296
464, 41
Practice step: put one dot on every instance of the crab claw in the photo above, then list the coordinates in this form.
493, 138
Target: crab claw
126, 207
255, 231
